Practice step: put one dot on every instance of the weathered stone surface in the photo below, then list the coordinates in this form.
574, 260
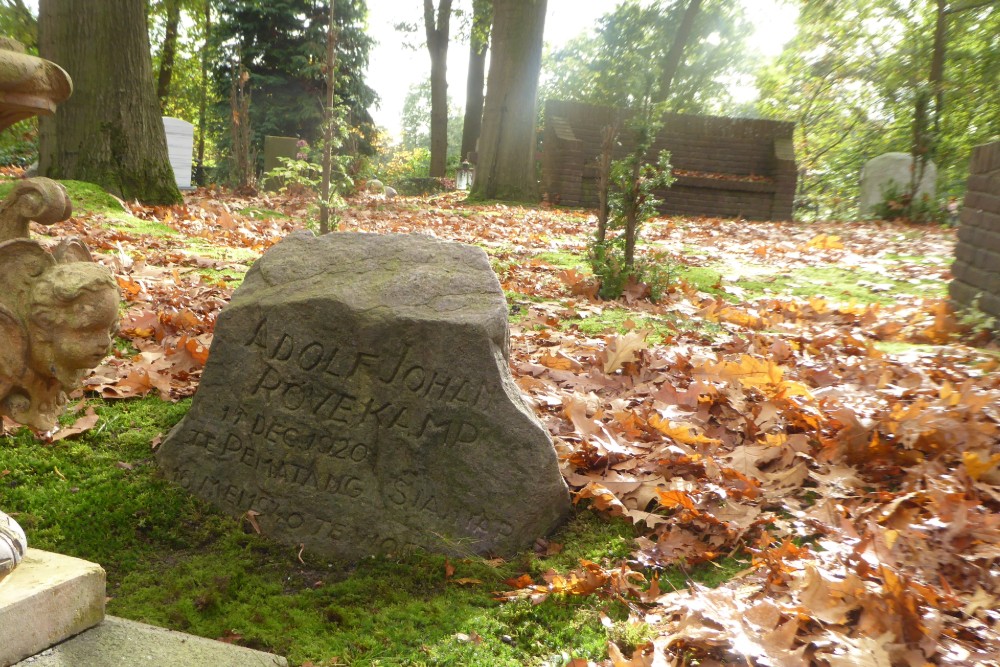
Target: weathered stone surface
118, 642
976, 269
29, 85
358, 400
47, 599
891, 170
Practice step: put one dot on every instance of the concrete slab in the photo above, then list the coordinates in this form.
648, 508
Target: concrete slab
48, 598
118, 642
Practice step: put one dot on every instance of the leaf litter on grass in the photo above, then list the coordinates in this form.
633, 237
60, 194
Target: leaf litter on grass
862, 487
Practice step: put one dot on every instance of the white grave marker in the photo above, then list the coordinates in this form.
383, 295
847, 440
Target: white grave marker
180, 145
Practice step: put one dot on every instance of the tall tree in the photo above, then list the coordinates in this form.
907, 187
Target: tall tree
416, 121
282, 44
437, 31
857, 100
506, 168
169, 51
672, 58
630, 53
331, 85
110, 131
475, 88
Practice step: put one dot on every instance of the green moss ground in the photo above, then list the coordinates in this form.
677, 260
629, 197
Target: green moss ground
86, 197
173, 561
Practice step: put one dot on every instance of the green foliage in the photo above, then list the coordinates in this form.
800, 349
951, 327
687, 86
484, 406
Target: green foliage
614, 66
282, 43
301, 177
977, 320
850, 80
898, 204
17, 22
421, 186
631, 202
397, 164
19, 144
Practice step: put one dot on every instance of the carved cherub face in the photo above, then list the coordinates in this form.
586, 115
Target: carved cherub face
73, 316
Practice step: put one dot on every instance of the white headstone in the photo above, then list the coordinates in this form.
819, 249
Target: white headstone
180, 146
891, 170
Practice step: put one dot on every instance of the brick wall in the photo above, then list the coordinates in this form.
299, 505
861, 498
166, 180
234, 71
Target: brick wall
739, 147
977, 255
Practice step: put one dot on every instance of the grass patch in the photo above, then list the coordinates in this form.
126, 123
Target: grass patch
225, 253
86, 197
929, 260
705, 279
894, 347
141, 227
840, 284
259, 213
564, 260
228, 277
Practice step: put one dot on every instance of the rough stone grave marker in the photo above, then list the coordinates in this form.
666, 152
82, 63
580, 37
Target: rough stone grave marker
358, 400
274, 148
891, 170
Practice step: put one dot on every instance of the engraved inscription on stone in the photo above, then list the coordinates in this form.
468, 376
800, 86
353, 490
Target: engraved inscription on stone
358, 400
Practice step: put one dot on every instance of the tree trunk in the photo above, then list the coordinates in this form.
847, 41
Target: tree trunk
331, 78
474, 88
672, 59
167, 52
110, 132
506, 168
924, 136
437, 45
203, 97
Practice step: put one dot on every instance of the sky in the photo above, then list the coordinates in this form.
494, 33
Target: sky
393, 68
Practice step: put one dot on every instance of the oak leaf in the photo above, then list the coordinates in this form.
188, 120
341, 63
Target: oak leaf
623, 349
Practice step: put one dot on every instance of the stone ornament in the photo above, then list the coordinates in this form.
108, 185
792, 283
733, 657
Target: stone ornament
59, 309
29, 86
13, 544
58, 315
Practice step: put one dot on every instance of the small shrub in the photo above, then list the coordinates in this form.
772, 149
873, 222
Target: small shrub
19, 144
299, 177
630, 204
898, 204
399, 164
422, 186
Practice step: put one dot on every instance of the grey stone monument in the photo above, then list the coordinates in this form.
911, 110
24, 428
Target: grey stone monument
275, 148
891, 170
358, 400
